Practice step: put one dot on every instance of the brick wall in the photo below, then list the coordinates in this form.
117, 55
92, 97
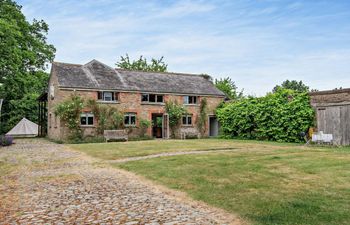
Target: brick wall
128, 102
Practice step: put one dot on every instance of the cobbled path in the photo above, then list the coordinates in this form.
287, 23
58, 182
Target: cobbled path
54, 185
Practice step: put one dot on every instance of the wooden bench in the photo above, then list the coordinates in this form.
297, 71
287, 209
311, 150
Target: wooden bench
115, 135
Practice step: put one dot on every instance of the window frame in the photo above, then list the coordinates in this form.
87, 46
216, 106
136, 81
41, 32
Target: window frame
106, 95
156, 96
87, 115
186, 117
129, 115
187, 100
102, 98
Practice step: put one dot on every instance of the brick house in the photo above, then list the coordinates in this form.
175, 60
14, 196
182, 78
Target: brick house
136, 94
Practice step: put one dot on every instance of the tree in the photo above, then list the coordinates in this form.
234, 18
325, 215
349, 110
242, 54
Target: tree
24, 55
141, 64
229, 88
292, 85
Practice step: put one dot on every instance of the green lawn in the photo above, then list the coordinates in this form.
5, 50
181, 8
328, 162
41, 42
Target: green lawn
119, 150
263, 182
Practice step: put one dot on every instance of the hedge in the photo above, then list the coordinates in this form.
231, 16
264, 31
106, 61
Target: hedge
280, 116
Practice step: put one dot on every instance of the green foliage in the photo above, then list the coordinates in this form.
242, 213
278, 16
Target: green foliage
69, 112
202, 116
229, 88
175, 112
24, 55
144, 124
89, 139
279, 116
141, 64
292, 85
109, 118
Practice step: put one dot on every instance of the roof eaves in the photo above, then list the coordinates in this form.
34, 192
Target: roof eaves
137, 90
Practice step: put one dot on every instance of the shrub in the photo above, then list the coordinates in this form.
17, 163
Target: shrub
144, 138
6, 140
144, 124
279, 116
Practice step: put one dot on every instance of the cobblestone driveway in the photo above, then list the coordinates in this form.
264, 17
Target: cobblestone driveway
54, 185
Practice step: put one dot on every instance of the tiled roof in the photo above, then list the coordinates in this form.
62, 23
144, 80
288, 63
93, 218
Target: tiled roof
96, 75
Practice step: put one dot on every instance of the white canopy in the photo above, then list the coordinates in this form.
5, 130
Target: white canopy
25, 128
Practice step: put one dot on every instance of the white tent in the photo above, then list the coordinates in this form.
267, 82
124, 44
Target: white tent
25, 128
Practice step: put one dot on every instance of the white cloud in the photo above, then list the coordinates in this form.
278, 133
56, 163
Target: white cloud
258, 46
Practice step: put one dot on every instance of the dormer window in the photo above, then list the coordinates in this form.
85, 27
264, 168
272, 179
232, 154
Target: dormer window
108, 96
190, 100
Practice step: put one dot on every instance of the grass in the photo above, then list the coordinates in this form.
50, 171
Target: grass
263, 182
119, 150
264, 186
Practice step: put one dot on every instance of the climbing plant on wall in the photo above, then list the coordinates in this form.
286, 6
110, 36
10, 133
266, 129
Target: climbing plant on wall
69, 112
175, 112
107, 117
202, 117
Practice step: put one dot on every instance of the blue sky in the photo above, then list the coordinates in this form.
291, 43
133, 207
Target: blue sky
256, 43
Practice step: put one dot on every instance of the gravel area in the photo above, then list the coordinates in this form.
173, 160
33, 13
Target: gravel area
55, 185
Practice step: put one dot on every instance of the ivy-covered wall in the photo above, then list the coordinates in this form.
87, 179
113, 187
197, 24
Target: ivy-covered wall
279, 116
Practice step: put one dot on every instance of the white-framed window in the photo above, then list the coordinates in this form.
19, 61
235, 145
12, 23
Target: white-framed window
152, 98
190, 100
130, 119
86, 119
107, 96
187, 120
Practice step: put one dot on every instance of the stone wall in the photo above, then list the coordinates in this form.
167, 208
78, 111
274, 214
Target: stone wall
128, 102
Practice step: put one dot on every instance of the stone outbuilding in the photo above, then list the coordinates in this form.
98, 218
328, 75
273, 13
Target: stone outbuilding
333, 113
138, 95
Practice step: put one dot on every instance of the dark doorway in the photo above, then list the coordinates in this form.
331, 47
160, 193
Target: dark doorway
42, 114
157, 125
213, 126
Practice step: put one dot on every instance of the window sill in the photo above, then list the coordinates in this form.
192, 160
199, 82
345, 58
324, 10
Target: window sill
130, 126
191, 105
152, 103
87, 126
107, 102
187, 126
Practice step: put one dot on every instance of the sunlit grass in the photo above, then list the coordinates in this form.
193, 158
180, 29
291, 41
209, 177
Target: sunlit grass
264, 186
